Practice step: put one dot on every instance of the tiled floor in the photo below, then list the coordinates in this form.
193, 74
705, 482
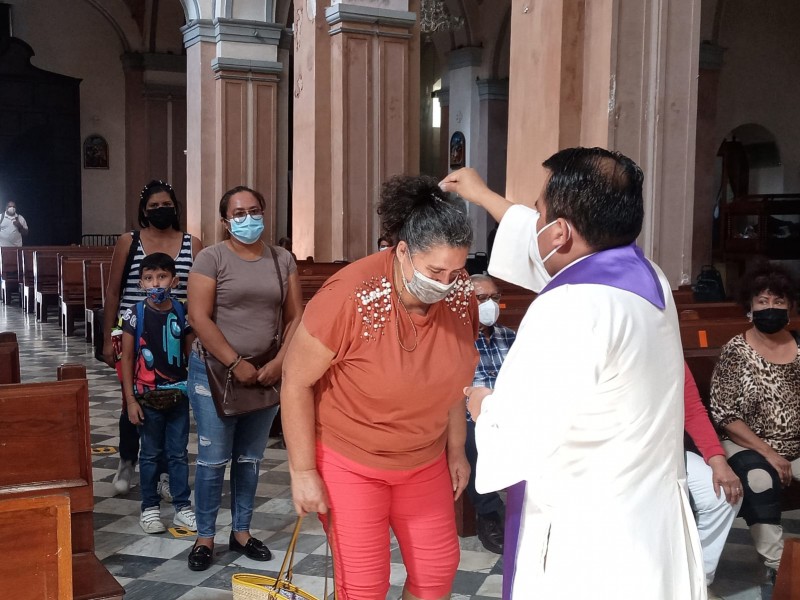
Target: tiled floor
154, 567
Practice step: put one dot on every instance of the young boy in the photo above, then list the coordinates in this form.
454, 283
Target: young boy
155, 343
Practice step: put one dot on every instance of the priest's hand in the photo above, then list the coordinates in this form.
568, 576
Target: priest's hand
475, 396
459, 470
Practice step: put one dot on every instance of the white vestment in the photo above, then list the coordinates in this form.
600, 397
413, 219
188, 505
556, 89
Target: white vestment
588, 410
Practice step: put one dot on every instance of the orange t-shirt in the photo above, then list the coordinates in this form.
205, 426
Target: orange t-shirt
378, 404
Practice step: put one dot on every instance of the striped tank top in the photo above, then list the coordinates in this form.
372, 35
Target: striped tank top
131, 294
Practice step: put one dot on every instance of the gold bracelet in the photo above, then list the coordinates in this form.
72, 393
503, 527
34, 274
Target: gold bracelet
235, 363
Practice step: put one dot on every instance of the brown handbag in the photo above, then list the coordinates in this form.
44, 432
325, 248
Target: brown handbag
232, 397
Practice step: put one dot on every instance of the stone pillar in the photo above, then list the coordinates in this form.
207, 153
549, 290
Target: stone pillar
155, 125
615, 73
493, 148
706, 156
237, 119
356, 120
202, 188
444, 138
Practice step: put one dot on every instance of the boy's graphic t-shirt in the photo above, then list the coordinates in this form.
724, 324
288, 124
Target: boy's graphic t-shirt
159, 361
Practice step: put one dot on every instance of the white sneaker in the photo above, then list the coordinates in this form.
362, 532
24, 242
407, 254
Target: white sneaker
151, 521
122, 480
185, 518
163, 488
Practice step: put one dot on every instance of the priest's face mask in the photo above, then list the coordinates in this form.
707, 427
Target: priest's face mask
543, 247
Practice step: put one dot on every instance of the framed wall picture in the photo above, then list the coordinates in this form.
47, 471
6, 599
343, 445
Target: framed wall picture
95, 152
458, 147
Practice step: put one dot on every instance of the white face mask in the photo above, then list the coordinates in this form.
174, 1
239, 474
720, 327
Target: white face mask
540, 274
488, 312
426, 289
11, 211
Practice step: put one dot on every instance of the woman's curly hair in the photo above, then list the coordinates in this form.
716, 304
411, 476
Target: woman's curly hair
415, 210
765, 276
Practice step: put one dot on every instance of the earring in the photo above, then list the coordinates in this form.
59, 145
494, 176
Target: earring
750, 316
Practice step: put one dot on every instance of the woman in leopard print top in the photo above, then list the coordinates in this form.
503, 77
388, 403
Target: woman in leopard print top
755, 401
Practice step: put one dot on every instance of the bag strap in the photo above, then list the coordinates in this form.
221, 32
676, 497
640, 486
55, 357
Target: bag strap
129, 261
279, 333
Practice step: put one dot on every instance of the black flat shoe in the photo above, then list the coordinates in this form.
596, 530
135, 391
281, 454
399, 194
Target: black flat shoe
200, 558
253, 549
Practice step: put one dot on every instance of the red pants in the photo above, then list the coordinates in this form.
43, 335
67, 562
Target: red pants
417, 504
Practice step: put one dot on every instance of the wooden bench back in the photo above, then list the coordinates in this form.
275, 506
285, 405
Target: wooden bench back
9, 358
93, 283
305, 267
36, 547
35, 417
9, 263
70, 272
45, 272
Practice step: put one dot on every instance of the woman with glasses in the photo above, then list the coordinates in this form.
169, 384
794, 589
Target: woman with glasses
159, 219
235, 299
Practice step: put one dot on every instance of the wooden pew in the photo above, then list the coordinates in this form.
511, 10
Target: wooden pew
25, 261
714, 333
787, 584
36, 547
9, 273
9, 358
305, 267
45, 282
71, 286
93, 287
712, 310
35, 417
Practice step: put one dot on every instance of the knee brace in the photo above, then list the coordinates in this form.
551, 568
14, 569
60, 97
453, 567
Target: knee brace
762, 488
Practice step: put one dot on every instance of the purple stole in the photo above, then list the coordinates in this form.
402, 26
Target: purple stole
625, 268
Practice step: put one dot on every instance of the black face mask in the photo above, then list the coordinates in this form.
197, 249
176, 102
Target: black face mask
162, 217
770, 320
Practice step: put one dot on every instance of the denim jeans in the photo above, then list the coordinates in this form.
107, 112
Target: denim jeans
164, 436
241, 440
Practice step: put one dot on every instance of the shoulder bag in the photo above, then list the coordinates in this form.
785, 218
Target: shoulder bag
233, 398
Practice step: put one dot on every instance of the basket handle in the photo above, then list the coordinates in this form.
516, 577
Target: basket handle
288, 560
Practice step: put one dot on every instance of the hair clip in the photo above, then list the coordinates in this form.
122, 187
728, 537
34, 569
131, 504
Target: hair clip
153, 184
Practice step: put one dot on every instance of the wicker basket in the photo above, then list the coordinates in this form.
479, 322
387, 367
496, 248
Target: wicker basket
248, 586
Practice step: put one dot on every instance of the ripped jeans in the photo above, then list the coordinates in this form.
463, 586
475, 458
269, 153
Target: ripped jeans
240, 439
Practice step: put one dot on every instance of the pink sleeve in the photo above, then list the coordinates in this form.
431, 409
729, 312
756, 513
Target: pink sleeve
696, 421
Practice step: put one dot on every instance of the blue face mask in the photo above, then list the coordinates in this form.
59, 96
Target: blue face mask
249, 230
158, 294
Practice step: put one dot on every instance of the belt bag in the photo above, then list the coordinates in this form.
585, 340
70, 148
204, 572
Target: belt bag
233, 398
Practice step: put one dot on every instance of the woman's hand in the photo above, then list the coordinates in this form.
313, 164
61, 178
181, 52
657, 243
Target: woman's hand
475, 396
245, 373
270, 373
781, 465
459, 470
135, 412
723, 477
308, 492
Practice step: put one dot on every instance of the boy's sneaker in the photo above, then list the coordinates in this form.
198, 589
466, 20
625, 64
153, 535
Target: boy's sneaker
185, 518
123, 477
163, 488
151, 520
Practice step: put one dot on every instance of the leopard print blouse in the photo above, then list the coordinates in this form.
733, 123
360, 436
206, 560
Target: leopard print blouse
765, 395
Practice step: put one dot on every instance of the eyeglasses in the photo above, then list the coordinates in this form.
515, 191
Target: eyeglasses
240, 217
484, 297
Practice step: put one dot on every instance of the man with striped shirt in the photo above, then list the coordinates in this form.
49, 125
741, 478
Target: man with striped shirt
493, 344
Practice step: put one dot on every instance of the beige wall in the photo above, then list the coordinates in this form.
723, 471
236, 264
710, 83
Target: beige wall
93, 56
760, 76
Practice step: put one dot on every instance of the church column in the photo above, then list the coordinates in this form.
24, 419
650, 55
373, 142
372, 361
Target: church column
356, 120
202, 189
706, 155
620, 74
238, 146
444, 134
155, 124
493, 94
